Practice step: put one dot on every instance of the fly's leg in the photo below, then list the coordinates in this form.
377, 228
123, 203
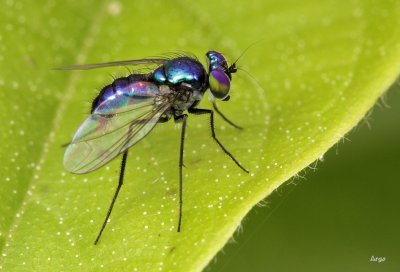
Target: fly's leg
211, 113
120, 182
163, 119
224, 117
181, 118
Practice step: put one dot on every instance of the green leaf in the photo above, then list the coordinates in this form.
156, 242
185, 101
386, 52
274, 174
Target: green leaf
320, 67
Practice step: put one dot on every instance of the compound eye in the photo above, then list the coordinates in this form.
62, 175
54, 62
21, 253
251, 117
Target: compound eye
219, 83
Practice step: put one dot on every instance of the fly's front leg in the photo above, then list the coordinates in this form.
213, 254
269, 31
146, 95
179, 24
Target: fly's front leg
224, 117
211, 113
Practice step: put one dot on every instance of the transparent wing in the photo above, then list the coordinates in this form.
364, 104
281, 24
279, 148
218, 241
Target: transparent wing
114, 63
112, 129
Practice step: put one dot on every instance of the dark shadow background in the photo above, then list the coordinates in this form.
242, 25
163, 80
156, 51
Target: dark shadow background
339, 216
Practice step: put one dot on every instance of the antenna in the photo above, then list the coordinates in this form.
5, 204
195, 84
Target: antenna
244, 51
232, 68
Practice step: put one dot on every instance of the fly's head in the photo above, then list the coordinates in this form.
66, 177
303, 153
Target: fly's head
220, 75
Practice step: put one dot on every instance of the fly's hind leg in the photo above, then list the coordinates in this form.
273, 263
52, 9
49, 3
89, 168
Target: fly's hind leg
181, 118
120, 182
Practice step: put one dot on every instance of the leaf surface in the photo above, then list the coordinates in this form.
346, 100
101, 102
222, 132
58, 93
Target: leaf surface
318, 68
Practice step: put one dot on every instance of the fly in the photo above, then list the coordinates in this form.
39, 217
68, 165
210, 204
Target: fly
126, 110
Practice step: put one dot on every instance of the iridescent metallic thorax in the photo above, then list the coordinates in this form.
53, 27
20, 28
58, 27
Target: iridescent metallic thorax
182, 70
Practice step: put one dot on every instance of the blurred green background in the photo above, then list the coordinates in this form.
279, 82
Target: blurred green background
338, 216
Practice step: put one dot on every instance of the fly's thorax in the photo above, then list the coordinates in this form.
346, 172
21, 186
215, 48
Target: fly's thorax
186, 98
164, 90
181, 70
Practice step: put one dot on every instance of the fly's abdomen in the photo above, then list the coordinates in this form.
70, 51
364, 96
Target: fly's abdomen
135, 85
